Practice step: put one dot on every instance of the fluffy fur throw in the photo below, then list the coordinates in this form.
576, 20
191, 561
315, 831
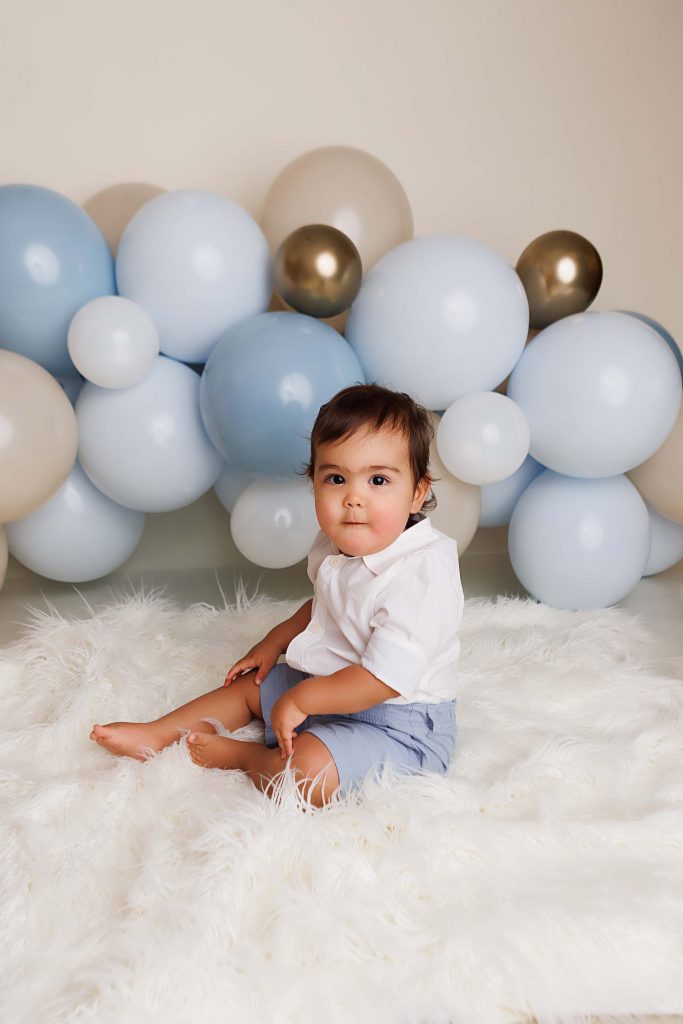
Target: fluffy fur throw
543, 876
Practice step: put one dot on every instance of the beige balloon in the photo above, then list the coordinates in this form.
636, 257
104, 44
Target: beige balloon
458, 504
38, 436
660, 478
346, 188
113, 208
4, 556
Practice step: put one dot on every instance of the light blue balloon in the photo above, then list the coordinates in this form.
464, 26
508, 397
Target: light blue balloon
263, 386
53, 259
662, 331
145, 447
601, 392
439, 317
230, 484
667, 543
577, 543
498, 500
78, 535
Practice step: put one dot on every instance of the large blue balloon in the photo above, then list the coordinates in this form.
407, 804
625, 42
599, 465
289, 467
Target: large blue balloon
53, 259
263, 385
662, 331
577, 543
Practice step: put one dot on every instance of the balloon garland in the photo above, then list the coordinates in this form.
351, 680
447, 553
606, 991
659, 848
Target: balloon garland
199, 355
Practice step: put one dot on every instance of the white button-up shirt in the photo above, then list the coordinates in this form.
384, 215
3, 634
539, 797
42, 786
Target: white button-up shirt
396, 612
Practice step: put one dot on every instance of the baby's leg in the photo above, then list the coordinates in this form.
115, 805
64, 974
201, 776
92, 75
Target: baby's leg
235, 706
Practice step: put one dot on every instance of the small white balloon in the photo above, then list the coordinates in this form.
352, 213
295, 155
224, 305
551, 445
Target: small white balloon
483, 437
273, 522
113, 342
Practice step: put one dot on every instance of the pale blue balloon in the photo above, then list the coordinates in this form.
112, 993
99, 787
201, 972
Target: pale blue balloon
263, 386
498, 500
198, 263
662, 331
78, 535
577, 543
145, 446
439, 317
53, 259
667, 543
601, 392
230, 484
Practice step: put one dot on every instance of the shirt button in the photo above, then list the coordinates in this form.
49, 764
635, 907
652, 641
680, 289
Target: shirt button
315, 628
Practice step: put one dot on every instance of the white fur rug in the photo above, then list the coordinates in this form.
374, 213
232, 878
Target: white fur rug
543, 876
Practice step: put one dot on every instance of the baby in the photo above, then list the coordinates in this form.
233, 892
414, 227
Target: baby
369, 675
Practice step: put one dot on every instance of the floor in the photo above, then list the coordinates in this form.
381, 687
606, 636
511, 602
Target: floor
485, 570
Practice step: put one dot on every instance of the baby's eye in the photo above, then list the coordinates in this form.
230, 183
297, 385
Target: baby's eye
334, 478
379, 480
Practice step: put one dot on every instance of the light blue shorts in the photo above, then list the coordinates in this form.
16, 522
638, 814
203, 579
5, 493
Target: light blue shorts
411, 738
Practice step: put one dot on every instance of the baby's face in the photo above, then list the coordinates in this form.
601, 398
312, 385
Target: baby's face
364, 490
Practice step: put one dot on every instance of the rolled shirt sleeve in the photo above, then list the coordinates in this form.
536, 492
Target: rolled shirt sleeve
415, 624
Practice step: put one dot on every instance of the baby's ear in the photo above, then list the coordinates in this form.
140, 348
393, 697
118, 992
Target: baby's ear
421, 492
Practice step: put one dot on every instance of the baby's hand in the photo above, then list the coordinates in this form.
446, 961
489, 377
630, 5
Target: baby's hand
284, 718
262, 657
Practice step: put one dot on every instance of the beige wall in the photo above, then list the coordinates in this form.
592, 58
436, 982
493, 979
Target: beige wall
502, 118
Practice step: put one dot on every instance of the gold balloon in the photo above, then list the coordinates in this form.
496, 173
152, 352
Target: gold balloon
561, 273
317, 270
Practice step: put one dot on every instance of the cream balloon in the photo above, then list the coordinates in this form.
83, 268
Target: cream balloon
458, 504
113, 208
113, 342
38, 436
660, 478
4, 555
483, 437
346, 188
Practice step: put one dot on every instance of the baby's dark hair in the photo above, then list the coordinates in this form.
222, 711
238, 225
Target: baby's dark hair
373, 407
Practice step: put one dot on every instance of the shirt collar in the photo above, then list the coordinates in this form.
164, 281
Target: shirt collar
413, 538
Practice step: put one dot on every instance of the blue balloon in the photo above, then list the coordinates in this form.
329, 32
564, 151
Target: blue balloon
53, 259
263, 385
498, 500
662, 331
78, 535
577, 543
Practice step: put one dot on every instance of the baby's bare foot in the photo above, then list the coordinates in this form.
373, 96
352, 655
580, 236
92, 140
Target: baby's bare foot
210, 751
129, 739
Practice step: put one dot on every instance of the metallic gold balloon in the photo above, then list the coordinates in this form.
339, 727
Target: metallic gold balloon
561, 273
317, 270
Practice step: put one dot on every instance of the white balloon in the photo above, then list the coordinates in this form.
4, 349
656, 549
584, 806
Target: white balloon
146, 447
483, 438
439, 317
273, 522
78, 535
113, 342
198, 263
601, 392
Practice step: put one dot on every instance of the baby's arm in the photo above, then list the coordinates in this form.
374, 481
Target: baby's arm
342, 693
265, 653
